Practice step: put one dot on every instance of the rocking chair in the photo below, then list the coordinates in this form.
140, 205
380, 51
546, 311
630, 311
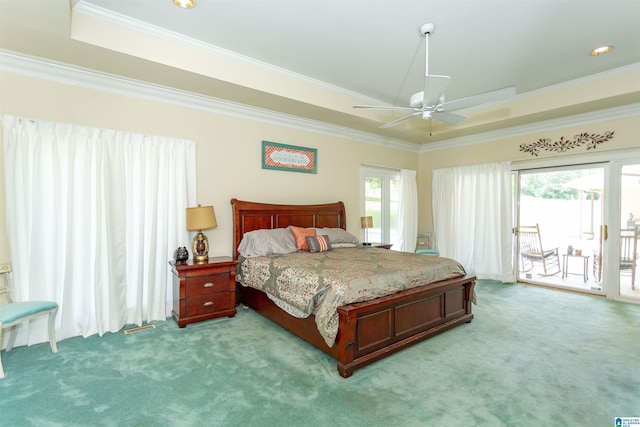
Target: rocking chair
531, 251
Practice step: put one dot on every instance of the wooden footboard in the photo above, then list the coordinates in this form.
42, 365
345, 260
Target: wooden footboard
370, 331
367, 331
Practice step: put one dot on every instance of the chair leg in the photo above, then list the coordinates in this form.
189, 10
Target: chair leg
52, 330
1, 342
13, 331
526, 264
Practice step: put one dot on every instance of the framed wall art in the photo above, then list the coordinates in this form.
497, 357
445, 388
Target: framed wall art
289, 158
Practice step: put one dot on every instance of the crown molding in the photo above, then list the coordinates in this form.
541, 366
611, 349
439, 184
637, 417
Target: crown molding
107, 15
560, 86
58, 72
543, 126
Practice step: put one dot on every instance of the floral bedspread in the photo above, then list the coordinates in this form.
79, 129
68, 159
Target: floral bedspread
306, 283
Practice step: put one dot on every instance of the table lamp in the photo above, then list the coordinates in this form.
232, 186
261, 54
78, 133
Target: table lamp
198, 219
366, 222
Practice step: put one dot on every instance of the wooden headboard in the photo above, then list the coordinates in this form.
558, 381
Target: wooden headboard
249, 216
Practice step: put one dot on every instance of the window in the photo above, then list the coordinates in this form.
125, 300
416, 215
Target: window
380, 194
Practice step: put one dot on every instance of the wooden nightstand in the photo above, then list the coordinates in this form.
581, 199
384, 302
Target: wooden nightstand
203, 291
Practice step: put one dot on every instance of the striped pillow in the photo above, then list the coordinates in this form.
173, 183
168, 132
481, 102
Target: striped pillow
318, 243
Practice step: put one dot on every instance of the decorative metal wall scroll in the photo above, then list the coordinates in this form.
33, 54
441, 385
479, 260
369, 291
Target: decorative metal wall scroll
591, 140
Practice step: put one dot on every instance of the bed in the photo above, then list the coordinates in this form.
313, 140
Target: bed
367, 331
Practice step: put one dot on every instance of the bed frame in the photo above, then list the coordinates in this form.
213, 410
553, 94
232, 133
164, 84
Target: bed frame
367, 331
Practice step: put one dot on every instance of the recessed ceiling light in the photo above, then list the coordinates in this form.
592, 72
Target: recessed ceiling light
601, 50
185, 4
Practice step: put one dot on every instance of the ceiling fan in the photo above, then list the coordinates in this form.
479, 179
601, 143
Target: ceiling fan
430, 102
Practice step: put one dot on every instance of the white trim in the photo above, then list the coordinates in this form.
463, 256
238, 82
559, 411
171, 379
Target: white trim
562, 86
386, 174
611, 162
107, 15
546, 126
17, 63
58, 72
125, 21
604, 156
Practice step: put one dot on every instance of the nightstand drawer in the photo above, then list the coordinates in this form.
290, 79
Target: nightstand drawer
205, 304
207, 284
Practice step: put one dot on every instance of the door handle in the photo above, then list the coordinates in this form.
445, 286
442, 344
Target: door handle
605, 234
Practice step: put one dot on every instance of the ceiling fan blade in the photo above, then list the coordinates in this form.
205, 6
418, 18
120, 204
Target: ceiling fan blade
449, 118
483, 98
382, 107
434, 87
402, 119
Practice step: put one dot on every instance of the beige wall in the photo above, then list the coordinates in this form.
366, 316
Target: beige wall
626, 140
228, 150
229, 158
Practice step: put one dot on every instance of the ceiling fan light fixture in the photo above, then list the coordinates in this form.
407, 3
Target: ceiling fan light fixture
430, 102
601, 50
185, 4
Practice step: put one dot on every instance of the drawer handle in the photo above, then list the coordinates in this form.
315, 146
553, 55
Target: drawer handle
208, 304
208, 285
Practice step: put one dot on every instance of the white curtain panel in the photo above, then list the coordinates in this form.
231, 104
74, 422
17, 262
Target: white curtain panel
408, 207
93, 216
472, 214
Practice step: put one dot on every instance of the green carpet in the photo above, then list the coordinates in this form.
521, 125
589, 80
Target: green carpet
531, 357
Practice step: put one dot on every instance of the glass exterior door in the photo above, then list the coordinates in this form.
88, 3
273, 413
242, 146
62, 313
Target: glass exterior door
590, 216
560, 218
381, 195
627, 267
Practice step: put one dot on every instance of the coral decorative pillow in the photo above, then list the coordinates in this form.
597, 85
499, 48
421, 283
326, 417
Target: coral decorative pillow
318, 243
299, 235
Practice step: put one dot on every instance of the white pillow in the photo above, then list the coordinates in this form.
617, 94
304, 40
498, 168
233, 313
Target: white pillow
267, 242
337, 235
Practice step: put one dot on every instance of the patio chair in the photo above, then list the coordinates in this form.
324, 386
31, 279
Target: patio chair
629, 253
532, 252
628, 256
13, 313
597, 259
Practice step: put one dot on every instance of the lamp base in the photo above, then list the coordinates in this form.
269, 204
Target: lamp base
201, 258
200, 248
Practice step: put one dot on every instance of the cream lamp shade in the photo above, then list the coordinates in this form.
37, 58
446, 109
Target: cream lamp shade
198, 219
201, 218
366, 222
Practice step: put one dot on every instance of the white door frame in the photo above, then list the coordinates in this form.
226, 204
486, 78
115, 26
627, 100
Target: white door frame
612, 162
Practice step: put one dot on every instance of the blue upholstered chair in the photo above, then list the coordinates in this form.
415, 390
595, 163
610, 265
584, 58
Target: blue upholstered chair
424, 245
13, 313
